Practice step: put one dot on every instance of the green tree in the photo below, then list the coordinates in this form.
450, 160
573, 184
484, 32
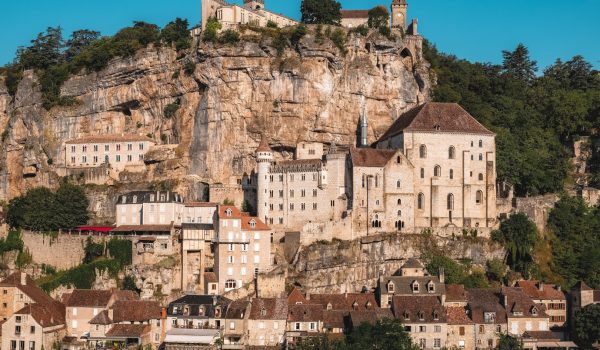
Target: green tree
177, 33
496, 270
321, 12
519, 65
211, 30
129, 284
518, 234
378, 17
71, 206
508, 342
453, 271
587, 326
386, 334
45, 50
80, 39
575, 74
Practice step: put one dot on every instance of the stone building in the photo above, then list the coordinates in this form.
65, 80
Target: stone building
461, 329
150, 208
489, 316
36, 326
17, 291
552, 297
303, 321
119, 151
234, 331
242, 248
580, 296
266, 322
522, 313
197, 312
231, 15
424, 318
354, 18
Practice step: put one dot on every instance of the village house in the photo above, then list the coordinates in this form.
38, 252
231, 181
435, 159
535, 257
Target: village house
234, 332
197, 312
118, 151
36, 326
522, 313
149, 208
17, 291
266, 323
242, 248
424, 317
489, 316
303, 321
461, 329
553, 299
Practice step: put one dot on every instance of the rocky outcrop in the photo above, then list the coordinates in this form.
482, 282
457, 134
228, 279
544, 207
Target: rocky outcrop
237, 93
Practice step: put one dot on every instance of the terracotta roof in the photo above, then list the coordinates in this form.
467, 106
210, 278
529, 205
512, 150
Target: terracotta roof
109, 138
143, 228
456, 292
136, 310
345, 302
268, 309
259, 225
101, 318
46, 314
263, 146
235, 212
541, 291
96, 298
334, 318
29, 288
237, 309
457, 315
210, 277
128, 330
580, 285
369, 316
403, 285
355, 14
541, 335
436, 117
518, 302
423, 309
200, 204
371, 157
296, 297
483, 301
305, 313
125, 295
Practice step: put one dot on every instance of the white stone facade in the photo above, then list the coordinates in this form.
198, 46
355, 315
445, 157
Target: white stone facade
231, 15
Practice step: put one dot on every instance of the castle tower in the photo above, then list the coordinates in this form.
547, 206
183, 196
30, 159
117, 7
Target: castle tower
399, 9
254, 4
264, 157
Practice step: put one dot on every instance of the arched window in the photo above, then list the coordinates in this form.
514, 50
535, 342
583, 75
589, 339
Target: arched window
363, 181
480, 156
423, 151
421, 201
399, 212
230, 284
479, 197
422, 173
399, 201
451, 152
450, 201
480, 177
451, 174
437, 171
480, 143
398, 184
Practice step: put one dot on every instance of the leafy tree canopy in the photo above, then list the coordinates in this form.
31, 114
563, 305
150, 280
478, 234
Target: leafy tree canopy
587, 326
519, 235
321, 12
378, 17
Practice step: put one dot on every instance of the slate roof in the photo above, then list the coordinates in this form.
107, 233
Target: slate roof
46, 314
268, 309
486, 300
355, 14
519, 302
457, 315
410, 309
237, 309
456, 293
193, 302
200, 205
296, 165
547, 291
371, 157
436, 117
345, 302
145, 197
369, 316
128, 331
136, 311
334, 318
263, 146
110, 138
403, 285
305, 313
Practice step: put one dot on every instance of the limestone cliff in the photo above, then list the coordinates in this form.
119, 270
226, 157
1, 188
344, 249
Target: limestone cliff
237, 92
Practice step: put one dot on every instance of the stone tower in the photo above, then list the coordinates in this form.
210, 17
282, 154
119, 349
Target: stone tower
399, 9
254, 4
264, 157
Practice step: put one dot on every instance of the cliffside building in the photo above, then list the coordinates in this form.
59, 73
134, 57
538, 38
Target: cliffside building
231, 15
435, 167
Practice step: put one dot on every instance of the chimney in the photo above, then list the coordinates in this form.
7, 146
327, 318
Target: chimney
442, 276
163, 313
214, 300
307, 296
558, 288
111, 313
23, 278
505, 301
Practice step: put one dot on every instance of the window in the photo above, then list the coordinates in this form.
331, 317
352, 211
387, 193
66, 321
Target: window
13, 345
479, 197
421, 201
17, 330
32, 329
230, 247
271, 193
480, 156
437, 329
291, 206
243, 271
303, 193
422, 173
312, 326
129, 158
481, 329
480, 143
141, 146
390, 287
399, 201
73, 149
314, 206
118, 158
461, 330
74, 311
398, 184
437, 343
74, 324
106, 148
297, 326
422, 343
398, 160
256, 247
451, 174
415, 287
437, 171
230, 284
244, 258
257, 259
422, 151
230, 259
84, 148
84, 159
314, 193
129, 147
480, 177
451, 152
450, 201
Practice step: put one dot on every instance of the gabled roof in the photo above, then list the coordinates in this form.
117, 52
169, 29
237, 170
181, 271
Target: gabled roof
259, 225
436, 117
521, 305
101, 318
110, 139
29, 288
235, 212
96, 298
45, 314
456, 293
128, 331
209, 304
136, 311
541, 291
486, 300
371, 157
296, 297
268, 309
345, 302
334, 318
424, 309
580, 285
457, 315
305, 313
237, 309
369, 316
413, 263
210, 277
403, 285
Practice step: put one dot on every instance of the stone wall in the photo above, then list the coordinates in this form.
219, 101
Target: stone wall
64, 252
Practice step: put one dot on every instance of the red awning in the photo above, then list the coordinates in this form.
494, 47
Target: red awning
95, 228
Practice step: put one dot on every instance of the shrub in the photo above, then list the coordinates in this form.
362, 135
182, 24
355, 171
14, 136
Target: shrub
177, 33
271, 24
171, 109
339, 38
362, 30
92, 250
387, 32
189, 68
379, 17
120, 250
229, 36
211, 30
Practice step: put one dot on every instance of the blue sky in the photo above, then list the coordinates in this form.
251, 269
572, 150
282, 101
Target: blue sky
477, 30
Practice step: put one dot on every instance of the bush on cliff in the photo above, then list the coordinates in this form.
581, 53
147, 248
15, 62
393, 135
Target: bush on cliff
321, 12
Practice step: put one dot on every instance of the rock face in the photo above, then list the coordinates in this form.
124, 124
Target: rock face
237, 92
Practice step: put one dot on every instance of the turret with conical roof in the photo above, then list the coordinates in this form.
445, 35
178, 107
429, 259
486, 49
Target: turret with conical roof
264, 157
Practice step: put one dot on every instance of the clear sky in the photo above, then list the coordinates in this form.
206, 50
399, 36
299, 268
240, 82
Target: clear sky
477, 30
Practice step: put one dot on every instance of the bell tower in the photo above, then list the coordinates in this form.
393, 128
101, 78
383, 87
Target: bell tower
399, 9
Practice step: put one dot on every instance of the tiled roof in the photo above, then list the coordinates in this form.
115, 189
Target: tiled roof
296, 297
334, 318
263, 146
437, 117
355, 14
369, 316
424, 309
109, 139
143, 228
46, 314
101, 318
371, 157
128, 330
580, 285
456, 293
345, 302
200, 205
136, 310
413, 263
403, 285
149, 197
259, 225
268, 309
519, 302
546, 292
210, 277
89, 298
237, 309
235, 212
483, 301
541, 335
305, 313
457, 315
29, 288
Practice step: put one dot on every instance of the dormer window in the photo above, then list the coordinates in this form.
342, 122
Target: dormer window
431, 287
436, 316
437, 127
534, 311
406, 315
355, 306
390, 287
252, 223
123, 199
489, 317
263, 312
329, 306
368, 304
415, 287
228, 212
201, 311
151, 198
162, 197
134, 199
421, 316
